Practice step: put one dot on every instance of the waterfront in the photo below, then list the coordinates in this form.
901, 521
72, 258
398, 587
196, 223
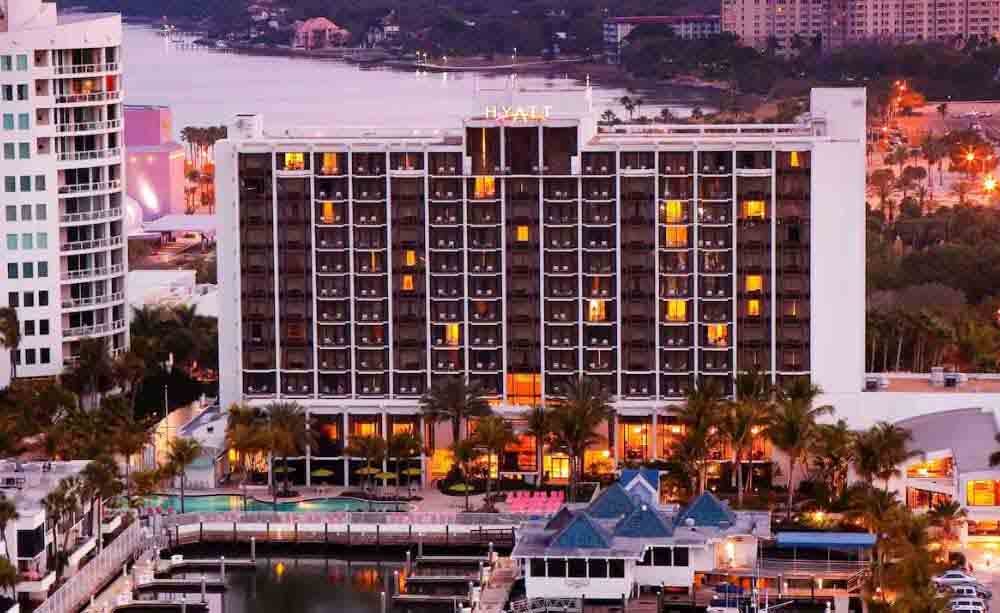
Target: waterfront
204, 86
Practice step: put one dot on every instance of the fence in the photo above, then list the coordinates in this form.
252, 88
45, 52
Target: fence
426, 520
78, 589
541, 605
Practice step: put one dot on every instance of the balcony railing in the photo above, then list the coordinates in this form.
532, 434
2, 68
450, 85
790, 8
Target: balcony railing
88, 126
74, 275
96, 243
93, 330
77, 69
91, 97
98, 154
91, 215
78, 188
73, 303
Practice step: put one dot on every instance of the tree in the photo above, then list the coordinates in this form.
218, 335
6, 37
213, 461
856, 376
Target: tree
10, 336
793, 425
609, 117
290, 434
130, 437
628, 105
942, 110
454, 400
585, 406
744, 417
638, 102
9, 577
465, 453
61, 505
181, 452
539, 426
961, 190
947, 516
666, 115
880, 450
92, 374
493, 434
8, 514
101, 481
700, 416
372, 449
881, 184
248, 435
402, 446
832, 451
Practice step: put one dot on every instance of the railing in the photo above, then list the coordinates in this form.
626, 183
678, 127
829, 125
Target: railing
95, 243
416, 518
542, 605
98, 329
92, 97
85, 68
77, 590
813, 567
99, 154
87, 126
92, 272
77, 188
856, 581
93, 300
91, 215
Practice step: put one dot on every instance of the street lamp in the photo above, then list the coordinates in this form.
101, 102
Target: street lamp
989, 184
168, 367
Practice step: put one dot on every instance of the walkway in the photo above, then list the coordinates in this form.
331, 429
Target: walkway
496, 593
120, 590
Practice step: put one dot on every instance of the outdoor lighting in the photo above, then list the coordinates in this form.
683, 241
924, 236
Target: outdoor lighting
989, 183
970, 156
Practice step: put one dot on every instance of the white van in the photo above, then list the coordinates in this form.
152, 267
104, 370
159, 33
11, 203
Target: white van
962, 603
967, 609
963, 591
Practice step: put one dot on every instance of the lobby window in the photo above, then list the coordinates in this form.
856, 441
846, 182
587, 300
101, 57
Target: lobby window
718, 335
402, 427
407, 284
410, 257
673, 211
522, 234
676, 310
753, 307
753, 283
676, 236
452, 335
597, 310
753, 209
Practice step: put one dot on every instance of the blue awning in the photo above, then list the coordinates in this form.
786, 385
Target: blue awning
825, 540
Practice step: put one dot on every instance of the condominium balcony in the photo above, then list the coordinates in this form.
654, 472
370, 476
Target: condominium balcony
87, 98
82, 156
92, 273
86, 189
89, 126
85, 69
94, 330
91, 301
715, 163
334, 336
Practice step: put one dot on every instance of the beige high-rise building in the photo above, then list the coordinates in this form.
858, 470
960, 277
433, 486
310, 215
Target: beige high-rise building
832, 23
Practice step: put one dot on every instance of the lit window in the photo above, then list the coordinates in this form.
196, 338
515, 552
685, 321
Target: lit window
327, 215
676, 310
405, 427
676, 236
791, 308
365, 428
982, 493
718, 335
452, 332
793, 160
673, 211
753, 209
597, 310
522, 234
753, 283
407, 283
485, 187
295, 161
411, 257
330, 164
753, 307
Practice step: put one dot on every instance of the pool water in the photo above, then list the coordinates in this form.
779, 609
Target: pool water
224, 502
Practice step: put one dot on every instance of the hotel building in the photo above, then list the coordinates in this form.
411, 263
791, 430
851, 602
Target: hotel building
64, 260
527, 248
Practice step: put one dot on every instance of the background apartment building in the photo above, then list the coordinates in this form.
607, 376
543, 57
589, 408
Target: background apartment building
834, 23
63, 250
516, 252
685, 27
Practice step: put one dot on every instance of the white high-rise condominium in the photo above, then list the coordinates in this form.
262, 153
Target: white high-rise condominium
64, 258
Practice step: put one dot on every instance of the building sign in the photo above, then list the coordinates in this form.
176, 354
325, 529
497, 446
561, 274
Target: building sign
519, 113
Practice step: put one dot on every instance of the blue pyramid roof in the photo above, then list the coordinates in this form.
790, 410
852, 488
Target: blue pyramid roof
560, 520
652, 476
612, 503
706, 510
644, 522
582, 533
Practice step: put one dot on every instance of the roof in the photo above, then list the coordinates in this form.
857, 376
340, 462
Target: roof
182, 223
613, 502
825, 540
560, 520
644, 521
664, 19
706, 510
969, 434
582, 533
651, 475
974, 384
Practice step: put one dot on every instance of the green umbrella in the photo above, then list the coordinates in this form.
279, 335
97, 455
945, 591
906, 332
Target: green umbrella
413, 471
385, 476
322, 472
367, 470
284, 469
461, 487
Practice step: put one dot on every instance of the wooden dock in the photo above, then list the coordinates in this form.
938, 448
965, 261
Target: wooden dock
185, 586
161, 605
442, 579
170, 565
428, 599
326, 534
453, 560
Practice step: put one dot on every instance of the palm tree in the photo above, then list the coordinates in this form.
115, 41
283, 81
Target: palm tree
947, 516
744, 418
290, 434
455, 400
832, 452
402, 446
130, 437
8, 514
575, 417
793, 425
372, 449
539, 426
609, 117
880, 450
638, 102
101, 481
699, 417
61, 505
869, 506
181, 452
465, 453
92, 374
248, 435
493, 433
9, 577
628, 105
10, 336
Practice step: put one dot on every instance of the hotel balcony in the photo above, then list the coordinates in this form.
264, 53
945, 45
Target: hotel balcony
335, 335
368, 215
754, 160
445, 240
332, 360
369, 289
447, 288
330, 164
793, 285
714, 263
485, 337
372, 263
638, 162
639, 386
484, 361
372, 385
679, 163
406, 163
444, 164
332, 239
561, 337
370, 336
678, 362
676, 286
259, 383
796, 261
484, 264
716, 288
409, 385
445, 215
598, 264
599, 239
292, 164
447, 362
371, 361
560, 215
561, 289
484, 214
675, 386
492, 383
674, 212
445, 262
598, 163
564, 364
674, 263
715, 163
368, 164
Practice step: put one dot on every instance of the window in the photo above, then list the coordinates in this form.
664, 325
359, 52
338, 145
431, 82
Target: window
43, 326
23, 150
22, 92
327, 212
28, 270
793, 160
22, 62
753, 209
29, 356
29, 327
25, 212
12, 242
647, 558
8, 93
5, 63
598, 568
616, 569
790, 308
41, 240
8, 121
676, 236
522, 234
597, 310
452, 335
27, 241
410, 257
8, 151
23, 121
12, 299
39, 183
681, 556
673, 211
753, 283
537, 567
11, 212
43, 298
407, 284
44, 355
295, 161
557, 568
662, 557
676, 310
577, 568
10, 184
29, 299
40, 212
25, 184
485, 187
753, 307
718, 335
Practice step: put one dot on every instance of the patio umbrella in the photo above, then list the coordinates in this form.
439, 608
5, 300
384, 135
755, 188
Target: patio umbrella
413, 471
385, 476
367, 470
284, 469
322, 472
461, 487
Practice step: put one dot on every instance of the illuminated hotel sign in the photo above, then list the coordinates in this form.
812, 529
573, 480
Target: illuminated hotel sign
519, 113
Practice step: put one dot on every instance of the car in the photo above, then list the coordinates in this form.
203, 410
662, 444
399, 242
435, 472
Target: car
967, 609
965, 591
954, 577
971, 602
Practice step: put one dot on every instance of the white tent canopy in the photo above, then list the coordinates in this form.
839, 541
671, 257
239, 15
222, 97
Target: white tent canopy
205, 224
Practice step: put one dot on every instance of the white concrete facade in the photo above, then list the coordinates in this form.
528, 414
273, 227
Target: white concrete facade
64, 255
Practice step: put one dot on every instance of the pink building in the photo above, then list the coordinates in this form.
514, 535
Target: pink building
154, 173
319, 33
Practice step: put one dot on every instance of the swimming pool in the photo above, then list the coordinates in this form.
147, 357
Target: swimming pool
215, 503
